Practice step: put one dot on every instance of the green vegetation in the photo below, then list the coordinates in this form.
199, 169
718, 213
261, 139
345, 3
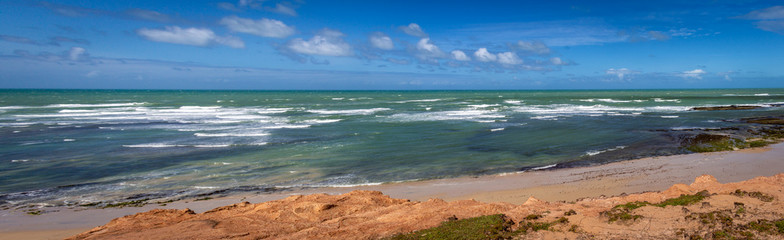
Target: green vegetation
92, 204
684, 200
759, 143
766, 226
34, 212
723, 226
714, 143
485, 227
623, 212
633, 205
135, 203
758, 195
620, 214
570, 212
533, 217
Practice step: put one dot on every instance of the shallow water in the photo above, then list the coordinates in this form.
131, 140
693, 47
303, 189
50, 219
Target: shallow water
71, 146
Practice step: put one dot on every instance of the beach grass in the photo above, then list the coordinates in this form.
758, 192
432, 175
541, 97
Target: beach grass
496, 226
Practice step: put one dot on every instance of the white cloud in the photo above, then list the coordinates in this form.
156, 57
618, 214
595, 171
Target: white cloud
250, 3
283, 9
427, 49
556, 61
413, 29
621, 73
484, 56
76, 53
696, 73
188, 36
148, 15
460, 56
325, 43
682, 32
381, 41
263, 27
773, 19
534, 47
230, 41
509, 58
772, 26
92, 74
658, 35
775, 12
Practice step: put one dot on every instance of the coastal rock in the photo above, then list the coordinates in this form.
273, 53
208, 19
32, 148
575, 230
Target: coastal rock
729, 107
372, 215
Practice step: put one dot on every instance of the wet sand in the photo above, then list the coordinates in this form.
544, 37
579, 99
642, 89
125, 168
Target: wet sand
570, 184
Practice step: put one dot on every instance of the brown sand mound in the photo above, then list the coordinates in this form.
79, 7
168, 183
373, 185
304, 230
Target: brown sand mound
372, 215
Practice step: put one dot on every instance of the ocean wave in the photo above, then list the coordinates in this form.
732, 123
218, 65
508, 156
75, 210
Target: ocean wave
321, 121
475, 106
543, 167
420, 100
98, 105
350, 111
549, 112
466, 115
160, 145
666, 100
607, 100
231, 134
597, 152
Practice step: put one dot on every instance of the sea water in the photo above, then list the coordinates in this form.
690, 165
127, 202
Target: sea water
81, 146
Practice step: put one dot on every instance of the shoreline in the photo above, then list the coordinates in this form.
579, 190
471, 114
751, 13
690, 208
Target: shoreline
558, 184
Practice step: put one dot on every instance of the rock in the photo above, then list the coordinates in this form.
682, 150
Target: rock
730, 107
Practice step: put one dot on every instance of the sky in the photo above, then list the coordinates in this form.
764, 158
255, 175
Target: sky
391, 45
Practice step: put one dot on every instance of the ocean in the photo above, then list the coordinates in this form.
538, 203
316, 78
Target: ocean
72, 147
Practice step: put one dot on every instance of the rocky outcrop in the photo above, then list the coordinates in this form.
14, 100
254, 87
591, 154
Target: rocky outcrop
372, 215
729, 107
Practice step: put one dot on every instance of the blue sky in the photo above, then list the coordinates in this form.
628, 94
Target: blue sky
408, 45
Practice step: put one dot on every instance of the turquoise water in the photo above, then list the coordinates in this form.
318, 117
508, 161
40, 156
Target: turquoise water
74, 147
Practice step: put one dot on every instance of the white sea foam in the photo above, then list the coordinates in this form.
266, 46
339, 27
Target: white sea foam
20, 160
282, 126
515, 102
666, 100
153, 145
338, 98
670, 116
550, 112
100, 105
544, 167
348, 185
596, 152
231, 134
350, 111
273, 110
496, 129
607, 100
420, 100
69, 140
483, 105
762, 94
466, 115
212, 145
321, 121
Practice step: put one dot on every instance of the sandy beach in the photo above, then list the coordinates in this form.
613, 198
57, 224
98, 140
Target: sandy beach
569, 184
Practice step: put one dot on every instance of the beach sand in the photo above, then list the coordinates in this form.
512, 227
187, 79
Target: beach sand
569, 184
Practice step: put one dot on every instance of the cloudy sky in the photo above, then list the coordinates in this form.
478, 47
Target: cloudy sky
409, 45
